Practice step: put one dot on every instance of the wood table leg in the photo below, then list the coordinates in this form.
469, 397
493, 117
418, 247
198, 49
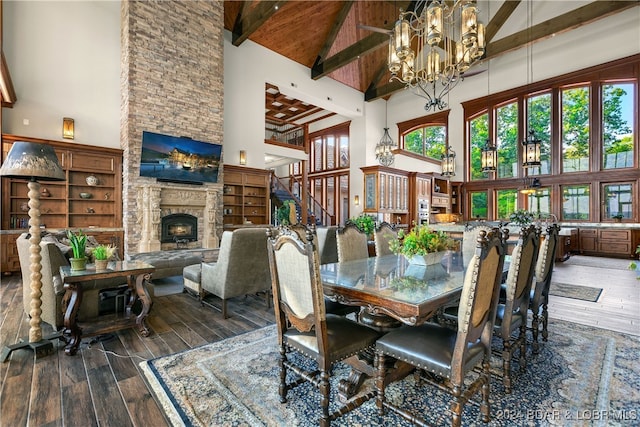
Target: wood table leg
139, 286
72, 333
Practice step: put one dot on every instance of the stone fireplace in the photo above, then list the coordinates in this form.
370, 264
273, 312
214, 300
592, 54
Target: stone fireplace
167, 212
179, 95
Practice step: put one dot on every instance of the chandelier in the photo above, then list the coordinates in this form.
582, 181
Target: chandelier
450, 40
448, 162
531, 150
384, 149
488, 157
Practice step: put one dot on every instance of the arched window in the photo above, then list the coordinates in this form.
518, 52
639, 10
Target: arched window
425, 136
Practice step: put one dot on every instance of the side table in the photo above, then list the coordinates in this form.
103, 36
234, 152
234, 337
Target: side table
137, 273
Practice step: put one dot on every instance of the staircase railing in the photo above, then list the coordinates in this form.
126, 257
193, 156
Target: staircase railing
315, 212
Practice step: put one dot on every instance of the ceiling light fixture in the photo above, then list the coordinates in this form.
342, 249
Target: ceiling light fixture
531, 150
450, 40
531, 185
384, 148
448, 162
489, 157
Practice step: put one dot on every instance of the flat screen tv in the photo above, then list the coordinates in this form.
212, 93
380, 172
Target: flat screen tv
179, 159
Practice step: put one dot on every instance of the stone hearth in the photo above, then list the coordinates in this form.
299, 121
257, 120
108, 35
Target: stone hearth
156, 201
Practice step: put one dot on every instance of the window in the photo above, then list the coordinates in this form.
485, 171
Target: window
539, 202
330, 149
479, 132
429, 141
617, 126
425, 136
575, 129
617, 201
507, 203
507, 140
478, 204
586, 121
539, 121
575, 202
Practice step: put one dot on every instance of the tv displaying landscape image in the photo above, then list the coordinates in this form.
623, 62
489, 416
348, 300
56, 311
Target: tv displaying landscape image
179, 159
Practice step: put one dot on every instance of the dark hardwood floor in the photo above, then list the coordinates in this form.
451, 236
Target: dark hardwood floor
101, 385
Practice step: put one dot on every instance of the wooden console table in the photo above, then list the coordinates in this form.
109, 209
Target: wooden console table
137, 274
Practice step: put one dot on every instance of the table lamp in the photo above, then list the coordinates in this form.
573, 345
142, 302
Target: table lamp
33, 162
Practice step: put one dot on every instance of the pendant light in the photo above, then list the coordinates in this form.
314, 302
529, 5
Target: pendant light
448, 162
531, 144
384, 148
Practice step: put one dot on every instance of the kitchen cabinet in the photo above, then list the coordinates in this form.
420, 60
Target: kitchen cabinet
386, 194
616, 242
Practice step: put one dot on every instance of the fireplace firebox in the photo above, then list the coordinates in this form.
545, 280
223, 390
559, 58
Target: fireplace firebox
179, 228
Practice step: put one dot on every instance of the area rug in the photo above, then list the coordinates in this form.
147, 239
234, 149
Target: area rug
582, 376
599, 262
566, 290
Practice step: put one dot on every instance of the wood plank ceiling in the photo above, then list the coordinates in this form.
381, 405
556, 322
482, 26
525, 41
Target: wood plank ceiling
324, 35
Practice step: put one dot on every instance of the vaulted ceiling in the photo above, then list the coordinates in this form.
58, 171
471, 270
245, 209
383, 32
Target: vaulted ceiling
324, 35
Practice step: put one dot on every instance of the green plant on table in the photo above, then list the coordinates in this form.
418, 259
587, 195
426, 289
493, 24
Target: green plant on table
521, 217
78, 243
421, 240
364, 223
103, 252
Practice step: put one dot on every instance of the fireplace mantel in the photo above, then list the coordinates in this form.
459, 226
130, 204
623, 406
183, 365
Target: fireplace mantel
155, 201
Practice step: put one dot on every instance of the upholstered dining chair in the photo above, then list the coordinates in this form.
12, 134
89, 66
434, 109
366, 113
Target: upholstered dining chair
449, 355
324, 238
469, 240
540, 289
511, 316
352, 243
304, 326
382, 236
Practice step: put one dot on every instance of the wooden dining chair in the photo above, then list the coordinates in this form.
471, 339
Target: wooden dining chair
511, 316
448, 355
382, 236
304, 326
332, 307
540, 290
352, 243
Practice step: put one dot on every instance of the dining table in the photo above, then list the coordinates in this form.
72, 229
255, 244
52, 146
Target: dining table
391, 291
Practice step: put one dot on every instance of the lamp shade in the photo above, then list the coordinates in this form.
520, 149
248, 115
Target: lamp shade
31, 160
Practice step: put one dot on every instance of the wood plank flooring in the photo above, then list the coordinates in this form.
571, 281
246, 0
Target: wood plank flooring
102, 385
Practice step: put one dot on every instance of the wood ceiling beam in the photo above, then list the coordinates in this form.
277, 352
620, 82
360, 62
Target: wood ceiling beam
500, 18
560, 24
333, 32
566, 22
7, 92
348, 55
366, 45
248, 22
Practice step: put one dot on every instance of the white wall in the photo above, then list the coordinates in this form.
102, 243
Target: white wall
64, 59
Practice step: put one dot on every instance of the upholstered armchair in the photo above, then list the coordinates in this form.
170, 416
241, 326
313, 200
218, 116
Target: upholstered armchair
52, 286
352, 243
327, 244
383, 235
242, 267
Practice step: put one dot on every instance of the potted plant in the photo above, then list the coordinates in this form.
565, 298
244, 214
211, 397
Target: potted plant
521, 217
78, 243
364, 223
634, 265
102, 254
617, 217
282, 214
422, 245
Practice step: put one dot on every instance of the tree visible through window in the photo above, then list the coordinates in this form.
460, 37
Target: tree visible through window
507, 140
429, 141
479, 136
617, 135
575, 129
539, 121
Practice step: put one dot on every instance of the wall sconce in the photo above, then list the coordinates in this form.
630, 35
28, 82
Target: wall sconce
67, 128
243, 157
356, 200
489, 158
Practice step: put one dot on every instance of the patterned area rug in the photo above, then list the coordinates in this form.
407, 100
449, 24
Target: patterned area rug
566, 290
582, 376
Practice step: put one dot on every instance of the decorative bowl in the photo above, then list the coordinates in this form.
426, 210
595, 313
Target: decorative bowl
86, 195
